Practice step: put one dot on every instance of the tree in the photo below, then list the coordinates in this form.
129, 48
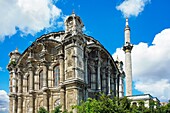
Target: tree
104, 104
57, 109
42, 110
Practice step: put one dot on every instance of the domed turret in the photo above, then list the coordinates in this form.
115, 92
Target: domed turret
14, 56
73, 24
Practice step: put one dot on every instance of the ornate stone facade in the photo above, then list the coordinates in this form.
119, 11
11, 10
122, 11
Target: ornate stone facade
61, 68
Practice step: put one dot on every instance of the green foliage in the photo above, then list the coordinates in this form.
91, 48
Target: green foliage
42, 110
105, 104
165, 109
57, 109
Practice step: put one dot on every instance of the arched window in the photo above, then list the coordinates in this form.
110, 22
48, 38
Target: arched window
28, 83
56, 75
57, 103
41, 79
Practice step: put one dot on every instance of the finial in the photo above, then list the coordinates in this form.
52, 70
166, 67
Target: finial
73, 12
127, 24
16, 50
117, 58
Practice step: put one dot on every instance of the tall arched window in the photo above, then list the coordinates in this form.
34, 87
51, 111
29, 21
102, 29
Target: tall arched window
41, 79
28, 83
56, 75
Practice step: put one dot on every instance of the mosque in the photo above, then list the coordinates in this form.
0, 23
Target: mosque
65, 67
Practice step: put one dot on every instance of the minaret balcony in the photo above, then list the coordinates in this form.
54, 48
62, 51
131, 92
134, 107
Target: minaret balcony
127, 47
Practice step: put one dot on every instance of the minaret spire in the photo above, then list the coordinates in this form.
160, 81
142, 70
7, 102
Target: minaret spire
127, 32
127, 48
127, 23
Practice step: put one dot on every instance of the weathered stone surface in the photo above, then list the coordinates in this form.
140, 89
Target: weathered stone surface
85, 68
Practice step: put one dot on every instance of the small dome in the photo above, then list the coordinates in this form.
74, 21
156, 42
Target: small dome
16, 50
15, 53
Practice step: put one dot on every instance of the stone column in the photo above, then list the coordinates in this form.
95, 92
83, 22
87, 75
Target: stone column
45, 101
121, 92
14, 107
31, 87
10, 91
104, 81
32, 101
19, 104
98, 76
117, 84
86, 78
14, 104
13, 81
31, 77
86, 71
10, 81
45, 76
62, 79
50, 77
61, 61
19, 91
62, 99
24, 84
45, 85
24, 104
19, 81
108, 80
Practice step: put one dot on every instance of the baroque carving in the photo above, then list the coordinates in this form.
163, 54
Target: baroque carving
69, 63
70, 98
69, 74
69, 58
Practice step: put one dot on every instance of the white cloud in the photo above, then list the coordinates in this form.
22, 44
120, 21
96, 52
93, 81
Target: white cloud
4, 102
163, 86
132, 7
29, 16
151, 64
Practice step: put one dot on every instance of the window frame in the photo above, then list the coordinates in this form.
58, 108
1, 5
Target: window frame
56, 75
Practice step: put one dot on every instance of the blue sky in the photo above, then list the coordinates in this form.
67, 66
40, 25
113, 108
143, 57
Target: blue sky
23, 21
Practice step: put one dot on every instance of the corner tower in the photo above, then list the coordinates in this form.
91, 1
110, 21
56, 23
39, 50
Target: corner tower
127, 48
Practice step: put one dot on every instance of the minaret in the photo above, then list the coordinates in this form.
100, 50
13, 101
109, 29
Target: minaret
127, 48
